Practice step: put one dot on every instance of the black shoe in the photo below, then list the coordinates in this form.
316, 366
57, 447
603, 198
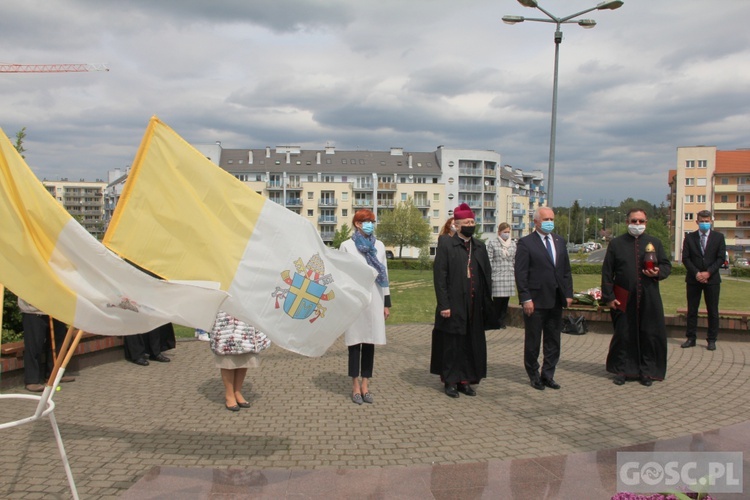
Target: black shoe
161, 358
646, 381
619, 380
451, 390
232, 408
688, 343
537, 384
466, 389
550, 383
244, 404
141, 361
711, 345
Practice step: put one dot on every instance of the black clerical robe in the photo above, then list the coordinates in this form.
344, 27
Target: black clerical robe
639, 344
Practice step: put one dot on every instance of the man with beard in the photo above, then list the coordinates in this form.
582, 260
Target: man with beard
632, 268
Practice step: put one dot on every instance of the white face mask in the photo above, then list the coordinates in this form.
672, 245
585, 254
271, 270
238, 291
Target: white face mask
636, 230
505, 236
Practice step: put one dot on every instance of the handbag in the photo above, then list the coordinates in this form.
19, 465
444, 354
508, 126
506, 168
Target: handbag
575, 325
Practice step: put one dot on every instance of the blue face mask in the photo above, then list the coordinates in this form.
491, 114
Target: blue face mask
368, 227
548, 226
704, 226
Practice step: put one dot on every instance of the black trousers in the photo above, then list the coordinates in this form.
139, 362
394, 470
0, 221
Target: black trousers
711, 296
501, 309
545, 323
37, 352
364, 354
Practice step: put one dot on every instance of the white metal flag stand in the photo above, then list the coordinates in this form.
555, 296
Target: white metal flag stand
46, 407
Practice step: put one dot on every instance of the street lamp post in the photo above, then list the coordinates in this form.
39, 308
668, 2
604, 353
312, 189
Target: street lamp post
585, 23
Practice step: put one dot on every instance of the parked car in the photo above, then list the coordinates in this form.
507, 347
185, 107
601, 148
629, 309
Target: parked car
741, 262
388, 254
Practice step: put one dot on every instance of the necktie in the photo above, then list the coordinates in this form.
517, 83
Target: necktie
703, 243
549, 249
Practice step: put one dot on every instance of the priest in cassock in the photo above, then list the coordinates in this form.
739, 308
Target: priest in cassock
632, 268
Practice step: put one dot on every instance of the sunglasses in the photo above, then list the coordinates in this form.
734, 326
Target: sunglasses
637, 221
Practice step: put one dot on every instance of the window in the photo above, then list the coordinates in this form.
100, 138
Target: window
310, 195
435, 229
701, 198
328, 178
725, 180
690, 181
309, 213
345, 196
701, 181
689, 163
436, 213
724, 199
435, 196
702, 163
688, 198
344, 212
343, 178
688, 216
403, 196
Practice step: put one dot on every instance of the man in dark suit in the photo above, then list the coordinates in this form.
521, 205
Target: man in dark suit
545, 287
703, 253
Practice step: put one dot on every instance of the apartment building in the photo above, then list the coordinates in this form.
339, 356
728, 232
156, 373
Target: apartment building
707, 179
328, 186
83, 200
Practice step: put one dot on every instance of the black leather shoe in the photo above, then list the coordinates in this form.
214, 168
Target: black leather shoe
711, 345
232, 408
646, 381
550, 383
141, 361
619, 380
161, 358
688, 343
466, 389
451, 390
537, 384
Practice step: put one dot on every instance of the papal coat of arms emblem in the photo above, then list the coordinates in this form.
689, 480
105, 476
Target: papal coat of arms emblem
307, 288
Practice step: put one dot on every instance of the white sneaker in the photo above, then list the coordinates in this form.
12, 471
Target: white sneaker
204, 337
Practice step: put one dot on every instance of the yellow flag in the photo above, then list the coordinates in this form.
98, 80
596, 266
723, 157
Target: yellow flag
53, 263
183, 217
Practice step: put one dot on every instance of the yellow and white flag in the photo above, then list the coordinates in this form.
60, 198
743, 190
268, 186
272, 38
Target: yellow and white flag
53, 263
183, 217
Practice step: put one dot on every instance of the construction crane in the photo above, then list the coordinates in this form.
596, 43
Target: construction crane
51, 68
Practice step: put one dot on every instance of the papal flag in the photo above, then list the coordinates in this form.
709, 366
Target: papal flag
183, 217
53, 263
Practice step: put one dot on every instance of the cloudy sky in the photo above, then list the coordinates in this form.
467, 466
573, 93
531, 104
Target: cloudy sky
372, 74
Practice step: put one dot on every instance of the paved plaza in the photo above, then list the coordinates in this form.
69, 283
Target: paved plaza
120, 421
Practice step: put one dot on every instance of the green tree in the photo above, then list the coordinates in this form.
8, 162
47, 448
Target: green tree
341, 235
404, 226
20, 136
658, 229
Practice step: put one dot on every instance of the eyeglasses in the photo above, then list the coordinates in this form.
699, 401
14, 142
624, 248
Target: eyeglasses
638, 221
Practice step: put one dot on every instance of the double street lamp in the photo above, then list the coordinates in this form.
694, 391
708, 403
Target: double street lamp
585, 23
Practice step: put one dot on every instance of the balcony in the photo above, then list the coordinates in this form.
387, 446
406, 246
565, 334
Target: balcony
520, 225
328, 202
274, 185
474, 172
474, 188
327, 219
519, 212
421, 203
725, 206
386, 186
489, 204
294, 202
488, 172
362, 204
357, 186
386, 203
327, 235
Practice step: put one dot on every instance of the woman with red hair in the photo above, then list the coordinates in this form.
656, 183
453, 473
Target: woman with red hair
369, 328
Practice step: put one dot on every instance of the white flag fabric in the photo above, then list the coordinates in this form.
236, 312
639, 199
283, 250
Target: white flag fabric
183, 217
53, 263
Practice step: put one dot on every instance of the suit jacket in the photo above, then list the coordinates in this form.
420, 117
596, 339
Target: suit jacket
452, 288
710, 261
537, 278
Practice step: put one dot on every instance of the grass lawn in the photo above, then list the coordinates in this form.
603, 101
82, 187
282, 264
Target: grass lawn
413, 296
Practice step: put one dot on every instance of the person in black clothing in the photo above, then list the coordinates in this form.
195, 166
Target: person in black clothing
150, 344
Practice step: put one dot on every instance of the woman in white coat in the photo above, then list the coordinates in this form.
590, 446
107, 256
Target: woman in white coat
369, 328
